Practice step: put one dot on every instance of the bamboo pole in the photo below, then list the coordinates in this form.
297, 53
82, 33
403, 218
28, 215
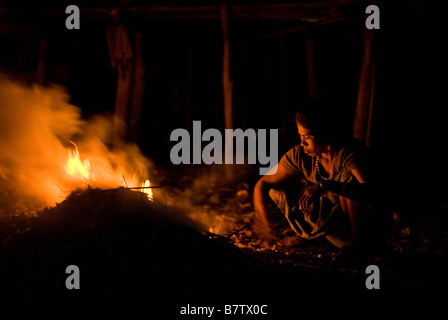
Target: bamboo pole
311, 70
41, 60
371, 106
226, 80
303, 10
122, 99
190, 87
364, 106
227, 86
245, 123
283, 92
137, 90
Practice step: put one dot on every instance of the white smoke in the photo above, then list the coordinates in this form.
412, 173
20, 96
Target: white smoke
37, 125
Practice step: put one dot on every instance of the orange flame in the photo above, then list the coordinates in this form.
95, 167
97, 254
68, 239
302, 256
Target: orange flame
75, 167
80, 169
148, 191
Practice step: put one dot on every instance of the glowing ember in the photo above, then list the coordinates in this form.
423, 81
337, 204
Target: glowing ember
148, 191
75, 167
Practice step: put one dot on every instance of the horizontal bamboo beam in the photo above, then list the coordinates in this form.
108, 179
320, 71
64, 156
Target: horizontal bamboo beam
304, 11
19, 28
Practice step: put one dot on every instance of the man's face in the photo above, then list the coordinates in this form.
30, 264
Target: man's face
309, 142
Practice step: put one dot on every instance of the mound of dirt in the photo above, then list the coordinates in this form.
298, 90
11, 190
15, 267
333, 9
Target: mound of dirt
123, 244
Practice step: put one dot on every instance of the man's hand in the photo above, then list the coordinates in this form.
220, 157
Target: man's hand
260, 225
311, 193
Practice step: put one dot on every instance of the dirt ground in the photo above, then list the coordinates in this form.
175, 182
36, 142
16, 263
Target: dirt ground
413, 259
197, 244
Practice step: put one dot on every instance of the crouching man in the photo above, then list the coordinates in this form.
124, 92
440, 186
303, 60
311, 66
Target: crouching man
324, 186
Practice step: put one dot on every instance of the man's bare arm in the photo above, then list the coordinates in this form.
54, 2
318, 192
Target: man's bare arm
365, 191
261, 192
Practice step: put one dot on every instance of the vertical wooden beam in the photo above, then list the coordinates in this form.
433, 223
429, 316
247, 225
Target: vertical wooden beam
371, 106
190, 87
311, 70
245, 123
41, 60
26, 51
122, 99
226, 80
121, 55
263, 82
283, 92
364, 105
227, 86
137, 90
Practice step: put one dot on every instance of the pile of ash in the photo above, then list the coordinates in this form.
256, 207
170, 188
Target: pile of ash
124, 246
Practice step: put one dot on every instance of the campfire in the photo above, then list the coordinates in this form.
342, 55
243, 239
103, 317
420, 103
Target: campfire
57, 151
79, 169
74, 194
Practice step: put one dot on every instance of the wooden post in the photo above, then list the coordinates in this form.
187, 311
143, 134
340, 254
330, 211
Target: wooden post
283, 93
227, 86
311, 71
120, 54
190, 87
364, 106
26, 51
122, 99
137, 90
371, 106
41, 61
245, 123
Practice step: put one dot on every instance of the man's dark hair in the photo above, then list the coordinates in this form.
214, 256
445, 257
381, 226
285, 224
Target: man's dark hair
322, 118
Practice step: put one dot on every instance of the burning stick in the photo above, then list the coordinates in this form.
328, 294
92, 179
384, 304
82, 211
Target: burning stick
235, 232
132, 188
142, 187
145, 185
148, 193
124, 179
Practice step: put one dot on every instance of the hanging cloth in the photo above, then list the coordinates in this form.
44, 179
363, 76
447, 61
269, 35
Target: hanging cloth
119, 47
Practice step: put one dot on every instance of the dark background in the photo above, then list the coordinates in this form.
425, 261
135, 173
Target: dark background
183, 68
183, 61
